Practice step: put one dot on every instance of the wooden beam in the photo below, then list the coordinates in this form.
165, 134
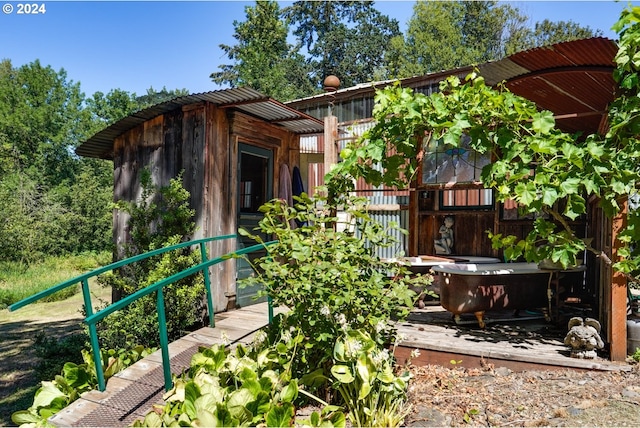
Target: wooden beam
330, 136
618, 313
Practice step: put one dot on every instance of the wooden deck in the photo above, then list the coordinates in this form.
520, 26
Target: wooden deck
516, 344
519, 343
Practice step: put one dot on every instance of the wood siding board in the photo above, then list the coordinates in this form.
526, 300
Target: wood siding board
193, 137
172, 143
256, 130
152, 132
220, 200
618, 301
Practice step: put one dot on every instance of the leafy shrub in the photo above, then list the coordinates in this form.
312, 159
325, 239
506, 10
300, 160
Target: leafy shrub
326, 272
246, 387
365, 379
161, 218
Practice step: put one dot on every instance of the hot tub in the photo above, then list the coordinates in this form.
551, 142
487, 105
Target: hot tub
476, 288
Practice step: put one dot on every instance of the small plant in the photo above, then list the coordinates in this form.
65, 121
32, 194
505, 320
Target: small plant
365, 379
636, 355
74, 380
246, 387
468, 415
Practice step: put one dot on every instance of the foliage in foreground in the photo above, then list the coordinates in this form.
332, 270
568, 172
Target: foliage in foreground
246, 387
254, 387
74, 380
328, 275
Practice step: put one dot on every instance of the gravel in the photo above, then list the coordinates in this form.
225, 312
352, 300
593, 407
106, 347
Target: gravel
496, 396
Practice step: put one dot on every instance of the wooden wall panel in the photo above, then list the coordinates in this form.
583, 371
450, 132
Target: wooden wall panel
219, 202
201, 141
193, 149
470, 238
171, 164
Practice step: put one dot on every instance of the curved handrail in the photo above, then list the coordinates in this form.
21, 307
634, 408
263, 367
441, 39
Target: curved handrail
92, 319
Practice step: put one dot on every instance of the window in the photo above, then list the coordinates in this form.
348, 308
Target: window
466, 198
443, 164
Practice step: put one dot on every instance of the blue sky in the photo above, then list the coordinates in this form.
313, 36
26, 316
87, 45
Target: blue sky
136, 45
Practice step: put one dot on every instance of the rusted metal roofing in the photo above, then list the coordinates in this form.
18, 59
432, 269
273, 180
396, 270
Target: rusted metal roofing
246, 100
574, 80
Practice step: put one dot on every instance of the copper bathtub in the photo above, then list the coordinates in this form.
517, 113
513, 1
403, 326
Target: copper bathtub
476, 288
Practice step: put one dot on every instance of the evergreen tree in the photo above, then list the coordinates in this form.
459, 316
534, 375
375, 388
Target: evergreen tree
345, 38
263, 59
446, 35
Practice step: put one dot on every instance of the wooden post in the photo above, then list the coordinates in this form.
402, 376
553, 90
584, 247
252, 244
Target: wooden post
618, 312
330, 148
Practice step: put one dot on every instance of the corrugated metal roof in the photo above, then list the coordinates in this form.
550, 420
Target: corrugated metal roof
246, 100
574, 80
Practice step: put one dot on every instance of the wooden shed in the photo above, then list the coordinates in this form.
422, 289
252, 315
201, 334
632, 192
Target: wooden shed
574, 80
231, 145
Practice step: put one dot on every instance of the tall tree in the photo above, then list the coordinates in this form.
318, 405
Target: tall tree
39, 120
446, 35
263, 59
52, 201
153, 97
345, 38
548, 33
104, 109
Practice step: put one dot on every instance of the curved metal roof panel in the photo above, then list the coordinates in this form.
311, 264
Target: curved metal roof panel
246, 100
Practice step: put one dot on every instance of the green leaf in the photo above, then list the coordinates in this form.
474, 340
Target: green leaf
525, 193
619, 187
191, 394
570, 186
205, 419
314, 419
544, 146
290, 392
339, 351
280, 415
543, 122
24, 417
46, 395
575, 207
342, 373
549, 196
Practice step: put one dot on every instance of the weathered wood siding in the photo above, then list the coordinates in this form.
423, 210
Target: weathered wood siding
470, 238
202, 141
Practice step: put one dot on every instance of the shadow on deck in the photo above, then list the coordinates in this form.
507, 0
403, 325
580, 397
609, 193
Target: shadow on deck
519, 345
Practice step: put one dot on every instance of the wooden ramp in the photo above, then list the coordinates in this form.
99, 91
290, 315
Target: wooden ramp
506, 342
130, 394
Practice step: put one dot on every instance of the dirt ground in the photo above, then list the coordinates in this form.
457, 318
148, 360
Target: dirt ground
18, 331
496, 396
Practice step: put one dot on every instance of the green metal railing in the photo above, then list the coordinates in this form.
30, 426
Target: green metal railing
93, 318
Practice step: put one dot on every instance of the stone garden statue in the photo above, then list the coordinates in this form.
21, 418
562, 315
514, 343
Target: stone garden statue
444, 245
584, 337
